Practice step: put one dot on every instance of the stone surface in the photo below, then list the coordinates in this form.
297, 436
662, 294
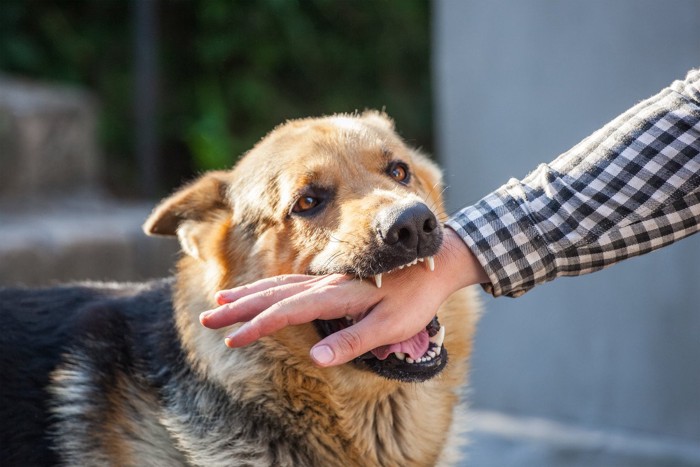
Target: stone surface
47, 139
499, 440
55, 224
76, 239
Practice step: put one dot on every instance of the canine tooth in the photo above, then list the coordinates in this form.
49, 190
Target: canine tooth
400, 355
438, 338
410, 360
431, 263
378, 280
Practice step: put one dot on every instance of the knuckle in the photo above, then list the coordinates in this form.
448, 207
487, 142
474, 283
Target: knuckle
350, 341
280, 280
267, 293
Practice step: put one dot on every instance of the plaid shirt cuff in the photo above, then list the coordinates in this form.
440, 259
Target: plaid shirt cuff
631, 187
509, 247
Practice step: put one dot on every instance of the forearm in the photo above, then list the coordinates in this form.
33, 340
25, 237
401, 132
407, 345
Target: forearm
627, 189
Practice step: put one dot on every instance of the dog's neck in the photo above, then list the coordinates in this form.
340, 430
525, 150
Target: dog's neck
372, 421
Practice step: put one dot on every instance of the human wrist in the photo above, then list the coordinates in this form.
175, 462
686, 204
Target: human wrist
460, 265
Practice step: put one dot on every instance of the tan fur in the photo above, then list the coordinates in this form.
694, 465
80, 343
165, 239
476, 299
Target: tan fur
234, 227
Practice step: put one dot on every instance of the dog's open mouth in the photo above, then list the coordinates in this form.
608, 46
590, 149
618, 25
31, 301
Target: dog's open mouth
416, 359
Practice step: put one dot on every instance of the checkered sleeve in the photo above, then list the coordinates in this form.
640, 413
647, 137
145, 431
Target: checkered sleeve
629, 188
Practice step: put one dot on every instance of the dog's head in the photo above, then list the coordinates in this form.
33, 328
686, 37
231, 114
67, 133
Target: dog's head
339, 194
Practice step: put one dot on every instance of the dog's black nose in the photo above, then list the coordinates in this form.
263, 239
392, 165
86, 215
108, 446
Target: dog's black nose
412, 228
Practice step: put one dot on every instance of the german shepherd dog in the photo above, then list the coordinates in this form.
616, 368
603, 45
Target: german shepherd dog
125, 375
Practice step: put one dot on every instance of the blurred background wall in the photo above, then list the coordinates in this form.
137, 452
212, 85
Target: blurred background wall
610, 361
596, 371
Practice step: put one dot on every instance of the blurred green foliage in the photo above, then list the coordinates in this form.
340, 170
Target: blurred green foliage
230, 70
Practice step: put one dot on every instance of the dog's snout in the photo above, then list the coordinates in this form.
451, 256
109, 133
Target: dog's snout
411, 228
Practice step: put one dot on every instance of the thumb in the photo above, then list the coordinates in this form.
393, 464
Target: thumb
349, 343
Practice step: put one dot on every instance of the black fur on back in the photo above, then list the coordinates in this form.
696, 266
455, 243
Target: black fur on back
109, 332
123, 326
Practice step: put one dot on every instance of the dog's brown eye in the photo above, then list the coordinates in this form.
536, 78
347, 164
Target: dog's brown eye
305, 203
399, 172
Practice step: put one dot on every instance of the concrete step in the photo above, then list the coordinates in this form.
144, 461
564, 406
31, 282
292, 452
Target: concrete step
78, 239
501, 440
48, 142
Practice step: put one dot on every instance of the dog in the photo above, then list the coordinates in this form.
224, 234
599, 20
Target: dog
124, 374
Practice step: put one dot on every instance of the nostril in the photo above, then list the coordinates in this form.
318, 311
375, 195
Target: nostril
429, 225
404, 235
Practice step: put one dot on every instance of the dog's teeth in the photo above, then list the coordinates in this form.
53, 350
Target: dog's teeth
438, 338
421, 259
431, 263
431, 354
410, 360
400, 355
378, 280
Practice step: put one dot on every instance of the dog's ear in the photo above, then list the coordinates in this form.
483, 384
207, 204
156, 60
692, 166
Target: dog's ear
181, 212
378, 119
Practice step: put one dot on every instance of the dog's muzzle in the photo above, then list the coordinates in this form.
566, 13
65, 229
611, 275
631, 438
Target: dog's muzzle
407, 235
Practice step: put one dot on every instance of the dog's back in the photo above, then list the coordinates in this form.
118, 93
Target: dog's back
43, 329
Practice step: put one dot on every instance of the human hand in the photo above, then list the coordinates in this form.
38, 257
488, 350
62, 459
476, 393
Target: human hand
402, 307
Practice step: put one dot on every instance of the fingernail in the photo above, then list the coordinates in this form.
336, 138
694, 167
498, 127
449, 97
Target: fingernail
204, 315
224, 296
228, 341
322, 354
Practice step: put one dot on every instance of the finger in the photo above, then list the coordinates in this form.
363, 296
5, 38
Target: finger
321, 301
230, 295
246, 307
347, 344
353, 341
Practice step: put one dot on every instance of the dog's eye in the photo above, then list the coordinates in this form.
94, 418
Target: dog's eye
305, 203
399, 172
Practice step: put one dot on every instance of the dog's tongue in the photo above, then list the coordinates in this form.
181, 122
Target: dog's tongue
415, 347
